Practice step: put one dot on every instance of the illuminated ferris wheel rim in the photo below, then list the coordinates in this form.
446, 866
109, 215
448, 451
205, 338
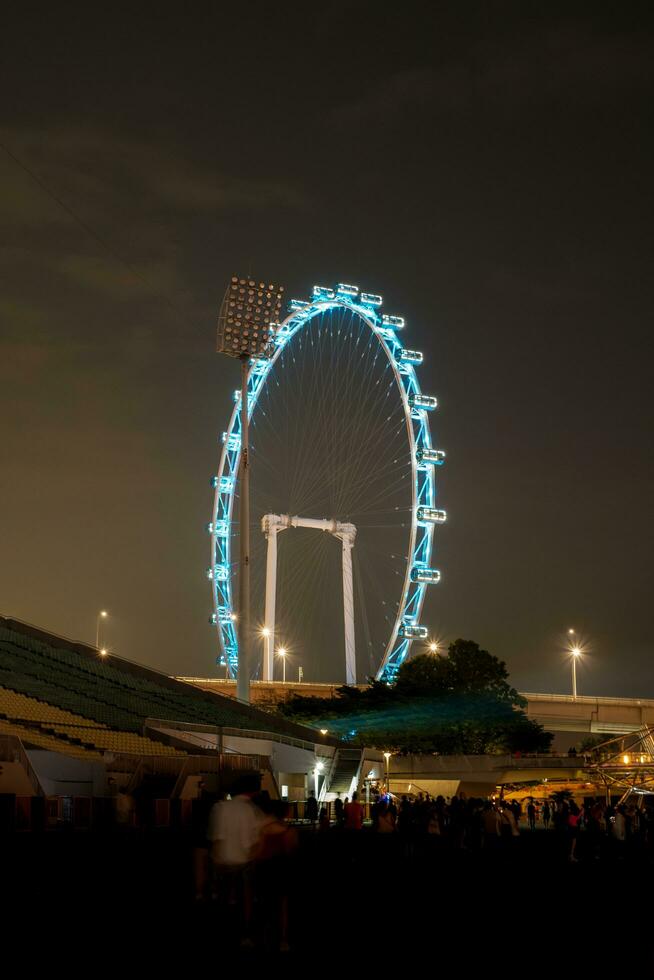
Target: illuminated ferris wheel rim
423, 458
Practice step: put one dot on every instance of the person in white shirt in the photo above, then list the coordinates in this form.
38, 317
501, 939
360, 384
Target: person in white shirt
234, 831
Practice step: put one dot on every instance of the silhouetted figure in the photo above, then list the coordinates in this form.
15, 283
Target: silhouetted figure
574, 817
124, 809
274, 871
531, 815
385, 819
311, 808
234, 831
200, 810
338, 809
353, 813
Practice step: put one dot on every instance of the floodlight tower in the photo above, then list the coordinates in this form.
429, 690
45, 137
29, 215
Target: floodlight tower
246, 328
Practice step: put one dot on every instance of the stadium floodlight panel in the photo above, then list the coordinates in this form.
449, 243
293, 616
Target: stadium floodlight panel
246, 324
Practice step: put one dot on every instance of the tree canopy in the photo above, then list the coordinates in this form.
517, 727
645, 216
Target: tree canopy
461, 703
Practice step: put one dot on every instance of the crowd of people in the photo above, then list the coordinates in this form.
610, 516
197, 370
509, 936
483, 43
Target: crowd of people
246, 848
593, 829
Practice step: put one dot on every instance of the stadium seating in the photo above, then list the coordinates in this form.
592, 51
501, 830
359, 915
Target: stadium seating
48, 721
62, 693
18, 707
31, 735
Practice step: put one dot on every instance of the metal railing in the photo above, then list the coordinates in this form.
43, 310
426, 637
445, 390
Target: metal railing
587, 699
221, 731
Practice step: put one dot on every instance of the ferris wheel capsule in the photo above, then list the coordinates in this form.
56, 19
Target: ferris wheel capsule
406, 356
429, 455
427, 402
411, 631
429, 515
427, 576
397, 322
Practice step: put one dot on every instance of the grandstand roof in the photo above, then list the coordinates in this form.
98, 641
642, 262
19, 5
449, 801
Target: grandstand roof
118, 694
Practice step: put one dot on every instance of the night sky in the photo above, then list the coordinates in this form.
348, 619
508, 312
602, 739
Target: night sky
486, 167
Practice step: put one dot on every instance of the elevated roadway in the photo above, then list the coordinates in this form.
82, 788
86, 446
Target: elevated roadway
597, 716
478, 774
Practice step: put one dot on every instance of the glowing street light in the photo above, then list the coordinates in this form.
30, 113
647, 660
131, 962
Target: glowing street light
282, 653
433, 647
246, 329
104, 652
101, 615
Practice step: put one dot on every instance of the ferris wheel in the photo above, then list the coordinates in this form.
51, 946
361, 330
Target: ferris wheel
340, 442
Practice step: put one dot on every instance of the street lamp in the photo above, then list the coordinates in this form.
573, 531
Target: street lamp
316, 776
282, 653
267, 641
433, 647
101, 615
103, 652
246, 329
576, 652
387, 756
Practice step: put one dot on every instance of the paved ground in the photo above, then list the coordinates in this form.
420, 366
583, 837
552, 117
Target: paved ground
362, 900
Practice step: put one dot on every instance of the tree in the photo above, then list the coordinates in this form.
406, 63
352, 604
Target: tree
466, 670
459, 704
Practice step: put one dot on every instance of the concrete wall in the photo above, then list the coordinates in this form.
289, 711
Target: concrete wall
14, 779
60, 775
266, 692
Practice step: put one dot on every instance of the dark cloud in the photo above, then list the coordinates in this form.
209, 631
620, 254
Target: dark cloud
508, 77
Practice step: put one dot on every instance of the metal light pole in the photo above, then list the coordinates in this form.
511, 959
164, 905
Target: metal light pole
282, 653
387, 756
101, 615
244, 667
246, 329
576, 652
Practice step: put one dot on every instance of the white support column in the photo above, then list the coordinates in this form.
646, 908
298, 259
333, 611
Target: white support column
271, 591
348, 609
271, 525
